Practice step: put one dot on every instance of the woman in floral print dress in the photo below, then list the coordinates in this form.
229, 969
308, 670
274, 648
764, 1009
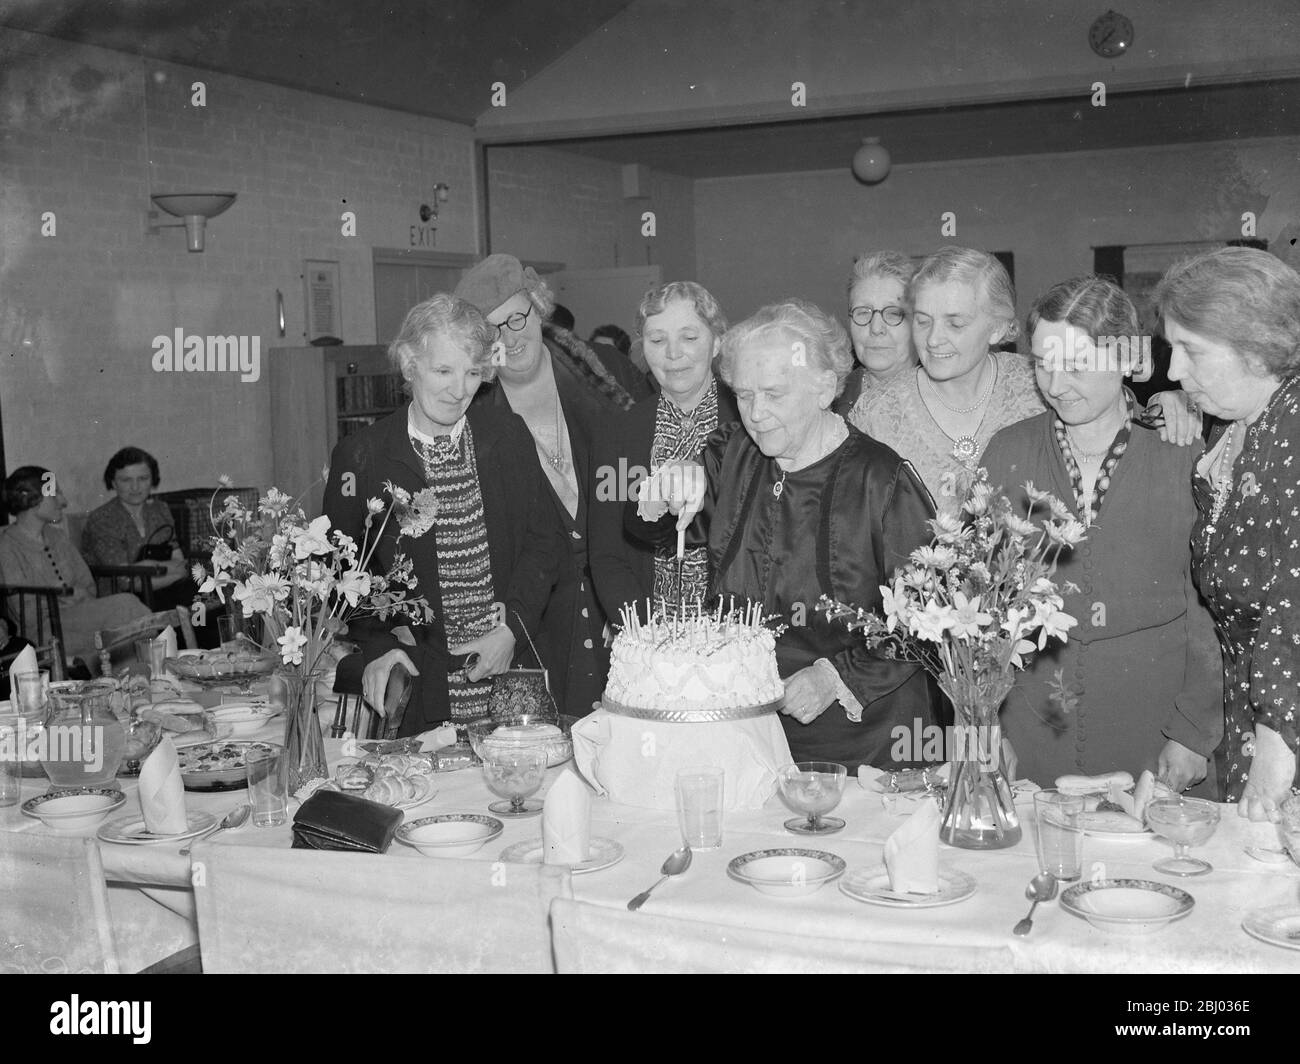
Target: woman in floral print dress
1232, 317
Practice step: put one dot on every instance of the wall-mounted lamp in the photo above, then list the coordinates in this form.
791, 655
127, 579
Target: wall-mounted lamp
871, 162
194, 208
441, 193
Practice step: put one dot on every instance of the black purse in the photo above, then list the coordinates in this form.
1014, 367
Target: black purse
332, 820
160, 551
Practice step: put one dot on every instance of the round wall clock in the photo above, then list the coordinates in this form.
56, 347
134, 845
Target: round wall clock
1111, 35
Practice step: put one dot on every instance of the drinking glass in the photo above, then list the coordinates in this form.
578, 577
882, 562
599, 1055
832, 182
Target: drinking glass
699, 806
813, 788
514, 775
268, 784
29, 691
1058, 834
11, 759
1185, 822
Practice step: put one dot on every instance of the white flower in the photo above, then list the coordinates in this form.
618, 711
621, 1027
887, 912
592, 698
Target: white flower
967, 618
275, 502
312, 539
977, 499
895, 604
375, 506
1016, 622
197, 573
1021, 647
1068, 533
941, 558
399, 494
291, 644
931, 622
1059, 510
1019, 526
1055, 623
1034, 494
419, 516
947, 528
259, 594
225, 481
354, 585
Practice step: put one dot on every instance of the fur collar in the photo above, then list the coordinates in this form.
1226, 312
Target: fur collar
586, 365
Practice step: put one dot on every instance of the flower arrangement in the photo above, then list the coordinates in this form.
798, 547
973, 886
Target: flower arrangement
305, 580
975, 604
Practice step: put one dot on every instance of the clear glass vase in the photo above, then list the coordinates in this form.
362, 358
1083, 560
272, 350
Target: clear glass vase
304, 746
980, 812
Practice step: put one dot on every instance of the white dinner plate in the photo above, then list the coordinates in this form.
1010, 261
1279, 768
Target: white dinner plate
604, 853
871, 885
1278, 925
1106, 834
131, 830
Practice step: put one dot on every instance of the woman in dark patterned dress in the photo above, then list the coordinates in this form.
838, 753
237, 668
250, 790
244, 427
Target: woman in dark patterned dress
489, 562
1232, 317
681, 327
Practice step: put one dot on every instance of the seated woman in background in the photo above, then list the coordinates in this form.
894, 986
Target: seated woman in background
495, 539
134, 528
681, 327
34, 552
796, 505
1143, 667
878, 324
1232, 318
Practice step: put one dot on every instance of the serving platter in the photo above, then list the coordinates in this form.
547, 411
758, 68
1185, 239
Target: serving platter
217, 765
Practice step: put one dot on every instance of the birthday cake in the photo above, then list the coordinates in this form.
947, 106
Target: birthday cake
699, 664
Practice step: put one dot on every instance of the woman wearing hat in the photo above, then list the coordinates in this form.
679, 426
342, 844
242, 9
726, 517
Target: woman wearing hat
562, 391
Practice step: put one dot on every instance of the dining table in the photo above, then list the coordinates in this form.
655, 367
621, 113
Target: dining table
153, 911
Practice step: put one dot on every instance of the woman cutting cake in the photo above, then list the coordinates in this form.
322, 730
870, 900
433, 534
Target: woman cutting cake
797, 505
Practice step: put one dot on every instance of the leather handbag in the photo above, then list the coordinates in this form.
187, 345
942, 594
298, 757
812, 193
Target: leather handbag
332, 820
158, 547
522, 691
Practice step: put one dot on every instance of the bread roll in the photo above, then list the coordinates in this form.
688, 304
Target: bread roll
1094, 784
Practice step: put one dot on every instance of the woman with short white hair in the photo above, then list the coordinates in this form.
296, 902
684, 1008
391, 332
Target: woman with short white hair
798, 504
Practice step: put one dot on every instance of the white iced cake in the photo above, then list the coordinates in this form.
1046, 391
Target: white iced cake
700, 663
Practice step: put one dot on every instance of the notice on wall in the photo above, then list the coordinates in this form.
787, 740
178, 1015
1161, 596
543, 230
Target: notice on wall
321, 281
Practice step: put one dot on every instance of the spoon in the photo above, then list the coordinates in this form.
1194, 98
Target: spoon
1041, 888
231, 820
677, 863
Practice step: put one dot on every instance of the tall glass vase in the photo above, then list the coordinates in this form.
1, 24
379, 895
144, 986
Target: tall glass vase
304, 746
980, 813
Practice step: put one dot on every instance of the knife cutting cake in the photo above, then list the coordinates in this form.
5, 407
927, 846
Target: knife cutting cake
701, 662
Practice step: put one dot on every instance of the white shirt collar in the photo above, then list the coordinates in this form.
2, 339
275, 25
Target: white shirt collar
455, 434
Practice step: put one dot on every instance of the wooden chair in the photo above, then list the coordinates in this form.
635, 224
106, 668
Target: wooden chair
109, 639
264, 909
135, 580
35, 613
55, 917
365, 722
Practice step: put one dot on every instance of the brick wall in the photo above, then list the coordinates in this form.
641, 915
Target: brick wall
79, 310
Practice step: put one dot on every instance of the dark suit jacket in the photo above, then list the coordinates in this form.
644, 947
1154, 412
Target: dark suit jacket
524, 542
622, 563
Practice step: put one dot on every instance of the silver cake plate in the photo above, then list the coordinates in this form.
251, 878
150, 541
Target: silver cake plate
692, 716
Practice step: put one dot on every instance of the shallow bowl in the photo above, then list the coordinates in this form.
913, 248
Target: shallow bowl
450, 834
787, 872
1127, 906
70, 810
243, 720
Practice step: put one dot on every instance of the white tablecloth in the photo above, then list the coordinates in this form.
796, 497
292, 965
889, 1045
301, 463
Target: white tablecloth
1209, 939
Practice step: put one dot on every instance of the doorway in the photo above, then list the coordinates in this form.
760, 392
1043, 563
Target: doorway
405, 278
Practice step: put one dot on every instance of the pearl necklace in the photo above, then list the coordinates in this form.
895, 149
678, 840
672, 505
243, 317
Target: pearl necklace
964, 409
965, 448
1223, 481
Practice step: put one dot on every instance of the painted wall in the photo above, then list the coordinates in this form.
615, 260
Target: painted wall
664, 62
763, 238
79, 308
559, 206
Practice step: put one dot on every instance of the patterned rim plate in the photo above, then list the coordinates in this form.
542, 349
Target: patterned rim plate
604, 853
740, 868
32, 806
871, 885
130, 830
692, 716
1278, 925
1127, 903
494, 826
1139, 831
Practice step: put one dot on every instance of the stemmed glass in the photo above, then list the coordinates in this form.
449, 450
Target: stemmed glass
813, 788
514, 774
1185, 822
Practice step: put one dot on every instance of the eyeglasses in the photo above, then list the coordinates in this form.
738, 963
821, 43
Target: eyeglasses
515, 323
864, 316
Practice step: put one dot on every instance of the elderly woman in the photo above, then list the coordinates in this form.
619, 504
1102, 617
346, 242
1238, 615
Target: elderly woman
795, 505
561, 389
878, 325
681, 327
1143, 668
1232, 318
941, 416
132, 527
487, 565
34, 552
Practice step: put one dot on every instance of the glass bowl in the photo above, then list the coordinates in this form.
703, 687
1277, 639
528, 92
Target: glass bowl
213, 668
523, 732
142, 736
813, 788
1185, 822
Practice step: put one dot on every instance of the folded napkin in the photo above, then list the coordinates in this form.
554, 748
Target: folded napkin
437, 738
912, 852
332, 820
25, 661
162, 794
566, 821
167, 640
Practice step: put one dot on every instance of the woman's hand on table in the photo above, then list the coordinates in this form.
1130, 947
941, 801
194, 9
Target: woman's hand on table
1182, 419
374, 680
1179, 767
808, 694
495, 651
1272, 771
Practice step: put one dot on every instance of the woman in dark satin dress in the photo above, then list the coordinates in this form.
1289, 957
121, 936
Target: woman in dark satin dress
797, 504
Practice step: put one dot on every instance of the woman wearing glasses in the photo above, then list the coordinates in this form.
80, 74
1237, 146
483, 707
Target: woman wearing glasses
562, 391
882, 338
